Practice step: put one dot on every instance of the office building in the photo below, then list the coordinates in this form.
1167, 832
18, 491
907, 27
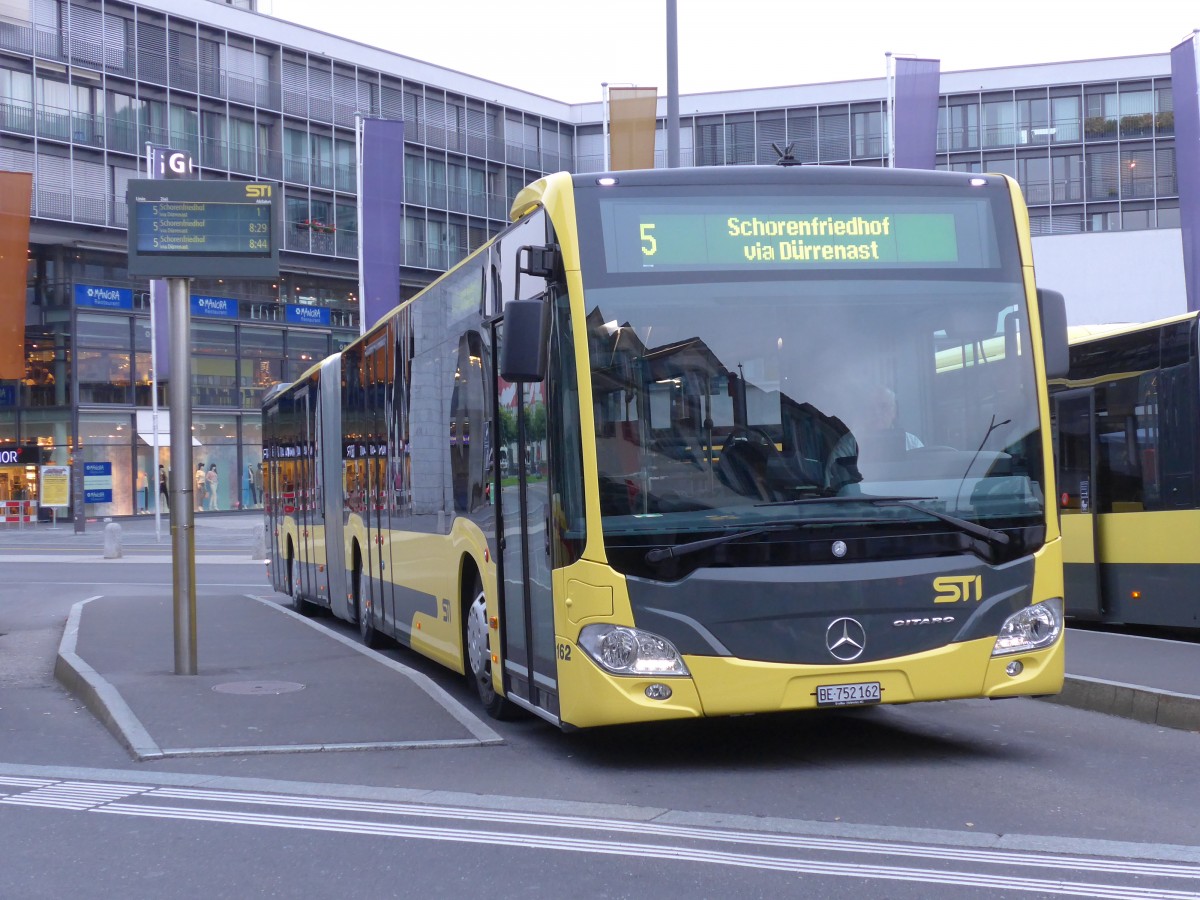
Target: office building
85, 85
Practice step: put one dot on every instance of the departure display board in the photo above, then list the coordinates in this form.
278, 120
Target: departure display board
203, 228
643, 234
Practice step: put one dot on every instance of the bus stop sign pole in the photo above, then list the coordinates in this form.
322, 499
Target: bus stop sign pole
183, 533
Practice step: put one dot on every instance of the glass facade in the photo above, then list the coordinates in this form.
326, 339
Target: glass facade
1089, 157
86, 84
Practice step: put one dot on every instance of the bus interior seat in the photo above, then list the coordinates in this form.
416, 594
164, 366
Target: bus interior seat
743, 468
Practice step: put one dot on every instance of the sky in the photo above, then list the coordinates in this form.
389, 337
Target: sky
565, 49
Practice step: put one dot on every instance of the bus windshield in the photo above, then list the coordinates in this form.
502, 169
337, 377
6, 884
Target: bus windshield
888, 356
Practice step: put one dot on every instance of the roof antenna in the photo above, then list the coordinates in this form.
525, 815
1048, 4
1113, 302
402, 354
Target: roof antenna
786, 156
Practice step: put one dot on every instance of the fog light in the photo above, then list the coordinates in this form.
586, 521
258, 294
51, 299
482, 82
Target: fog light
1014, 668
658, 692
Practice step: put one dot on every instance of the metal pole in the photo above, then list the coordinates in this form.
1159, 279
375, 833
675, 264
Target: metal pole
604, 133
152, 475
183, 536
77, 494
672, 86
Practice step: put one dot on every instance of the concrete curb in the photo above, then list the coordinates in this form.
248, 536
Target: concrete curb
1130, 701
100, 697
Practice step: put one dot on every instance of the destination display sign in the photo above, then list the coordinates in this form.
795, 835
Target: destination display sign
643, 234
202, 228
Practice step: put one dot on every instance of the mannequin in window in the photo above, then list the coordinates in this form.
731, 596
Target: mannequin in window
211, 478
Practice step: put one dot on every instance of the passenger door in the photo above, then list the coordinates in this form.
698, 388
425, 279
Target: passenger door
1075, 450
530, 667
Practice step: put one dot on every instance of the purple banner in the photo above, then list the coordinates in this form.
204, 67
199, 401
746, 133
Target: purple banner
381, 199
1187, 161
916, 112
162, 331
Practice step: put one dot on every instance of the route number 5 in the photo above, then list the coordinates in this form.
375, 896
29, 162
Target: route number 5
650, 244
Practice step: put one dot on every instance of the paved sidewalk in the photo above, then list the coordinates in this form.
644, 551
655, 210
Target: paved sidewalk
239, 535
269, 681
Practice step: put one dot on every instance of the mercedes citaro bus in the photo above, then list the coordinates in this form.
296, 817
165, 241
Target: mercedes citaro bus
698, 442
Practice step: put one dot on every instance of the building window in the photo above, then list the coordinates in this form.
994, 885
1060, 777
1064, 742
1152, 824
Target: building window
1103, 181
1137, 114
103, 357
1066, 122
1033, 121
16, 101
961, 127
999, 123
1100, 117
1066, 177
1137, 173
1164, 172
213, 364
868, 134
1033, 175
834, 127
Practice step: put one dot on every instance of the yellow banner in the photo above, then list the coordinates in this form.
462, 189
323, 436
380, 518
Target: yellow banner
632, 117
16, 189
56, 485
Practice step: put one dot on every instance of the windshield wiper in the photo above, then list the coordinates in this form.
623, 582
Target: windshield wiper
991, 535
662, 554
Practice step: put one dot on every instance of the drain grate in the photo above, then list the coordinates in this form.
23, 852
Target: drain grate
258, 687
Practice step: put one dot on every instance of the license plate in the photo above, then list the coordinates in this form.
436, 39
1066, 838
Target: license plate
856, 694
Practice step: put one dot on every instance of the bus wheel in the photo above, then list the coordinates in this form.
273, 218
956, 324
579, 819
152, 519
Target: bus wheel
479, 658
366, 626
299, 604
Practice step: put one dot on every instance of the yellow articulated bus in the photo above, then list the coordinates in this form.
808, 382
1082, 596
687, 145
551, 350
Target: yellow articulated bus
1128, 439
698, 442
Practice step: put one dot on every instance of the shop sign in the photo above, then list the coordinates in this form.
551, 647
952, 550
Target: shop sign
214, 307
97, 482
20, 456
308, 315
95, 296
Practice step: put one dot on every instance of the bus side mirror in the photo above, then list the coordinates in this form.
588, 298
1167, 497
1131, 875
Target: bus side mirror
1054, 333
523, 354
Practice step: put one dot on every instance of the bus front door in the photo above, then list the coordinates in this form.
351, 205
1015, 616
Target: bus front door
530, 666
1075, 420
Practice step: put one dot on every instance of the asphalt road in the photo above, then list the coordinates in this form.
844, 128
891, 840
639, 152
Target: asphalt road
1017, 798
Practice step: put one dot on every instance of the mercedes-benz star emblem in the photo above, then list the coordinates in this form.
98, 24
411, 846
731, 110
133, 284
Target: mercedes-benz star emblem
846, 639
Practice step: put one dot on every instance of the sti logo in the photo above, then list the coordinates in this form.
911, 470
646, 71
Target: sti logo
958, 588
258, 191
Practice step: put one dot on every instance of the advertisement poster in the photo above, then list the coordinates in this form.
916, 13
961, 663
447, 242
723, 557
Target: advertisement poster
56, 486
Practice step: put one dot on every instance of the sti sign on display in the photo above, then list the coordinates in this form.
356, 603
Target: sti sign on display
197, 229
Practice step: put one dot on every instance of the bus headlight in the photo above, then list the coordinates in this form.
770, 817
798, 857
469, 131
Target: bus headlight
630, 651
1031, 628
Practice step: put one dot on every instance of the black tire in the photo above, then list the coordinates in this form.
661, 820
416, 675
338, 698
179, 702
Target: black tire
366, 625
299, 604
477, 643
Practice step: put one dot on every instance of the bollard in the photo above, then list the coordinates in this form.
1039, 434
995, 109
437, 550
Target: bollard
112, 540
259, 550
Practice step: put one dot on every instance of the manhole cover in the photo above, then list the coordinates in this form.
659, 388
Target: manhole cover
258, 687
